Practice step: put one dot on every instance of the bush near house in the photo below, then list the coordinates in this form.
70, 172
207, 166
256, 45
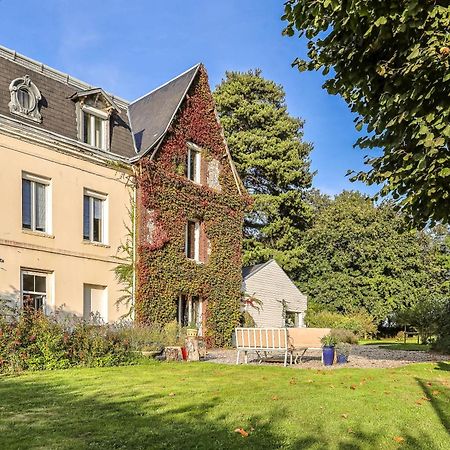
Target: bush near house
360, 323
32, 341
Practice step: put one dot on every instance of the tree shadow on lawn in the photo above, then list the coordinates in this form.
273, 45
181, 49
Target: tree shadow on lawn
439, 399
54, 415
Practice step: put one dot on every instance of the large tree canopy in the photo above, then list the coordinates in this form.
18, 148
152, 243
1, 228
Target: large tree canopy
273, 161
390, 61
360, 256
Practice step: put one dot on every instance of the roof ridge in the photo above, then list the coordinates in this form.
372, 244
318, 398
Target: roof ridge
56, 74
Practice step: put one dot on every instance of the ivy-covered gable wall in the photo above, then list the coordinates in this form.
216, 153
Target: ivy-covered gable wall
167, 200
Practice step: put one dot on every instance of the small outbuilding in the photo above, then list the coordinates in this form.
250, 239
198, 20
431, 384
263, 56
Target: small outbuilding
279, 302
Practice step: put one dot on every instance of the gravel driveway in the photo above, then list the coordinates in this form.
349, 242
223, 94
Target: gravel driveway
363, 356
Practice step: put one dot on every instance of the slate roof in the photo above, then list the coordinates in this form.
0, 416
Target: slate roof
248, 271
151, 115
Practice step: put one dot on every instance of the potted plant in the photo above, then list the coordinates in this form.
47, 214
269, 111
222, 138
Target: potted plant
342, 352
328, 343
191, 330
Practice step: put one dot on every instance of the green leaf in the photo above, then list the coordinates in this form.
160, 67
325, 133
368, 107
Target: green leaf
380, 21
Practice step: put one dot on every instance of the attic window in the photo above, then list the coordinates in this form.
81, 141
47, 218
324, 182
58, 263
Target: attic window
93, 127
25, 97
94, 109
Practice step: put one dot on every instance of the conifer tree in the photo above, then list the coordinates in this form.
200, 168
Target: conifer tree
267, 146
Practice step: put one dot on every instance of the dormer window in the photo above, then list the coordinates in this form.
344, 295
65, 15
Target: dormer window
95, 129
94, 109
25, 97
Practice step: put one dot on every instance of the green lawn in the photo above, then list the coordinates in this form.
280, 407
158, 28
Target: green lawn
393, 344
199, 405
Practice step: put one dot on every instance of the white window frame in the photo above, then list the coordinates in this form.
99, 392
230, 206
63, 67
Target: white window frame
296, 319
196, 240
48, 202
104, 213
192, 148
94, 112
34, 272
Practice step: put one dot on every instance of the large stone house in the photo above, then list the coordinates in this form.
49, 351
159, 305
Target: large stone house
74, 159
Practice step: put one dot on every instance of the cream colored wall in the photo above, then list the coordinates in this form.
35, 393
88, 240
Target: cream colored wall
271, 285
71, 261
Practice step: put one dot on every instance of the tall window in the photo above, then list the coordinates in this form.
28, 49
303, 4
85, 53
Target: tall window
94, 223
94, 130
35, 203
192, 241
193, 164
34, 289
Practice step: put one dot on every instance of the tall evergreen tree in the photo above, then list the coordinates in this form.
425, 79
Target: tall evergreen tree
273, 161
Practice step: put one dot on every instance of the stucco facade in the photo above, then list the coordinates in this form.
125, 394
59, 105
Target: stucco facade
68, 262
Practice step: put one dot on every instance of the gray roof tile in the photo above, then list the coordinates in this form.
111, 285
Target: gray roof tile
151, 115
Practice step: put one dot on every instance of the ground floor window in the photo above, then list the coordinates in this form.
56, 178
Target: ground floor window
33, 289
293, 319
190, 310
95, 303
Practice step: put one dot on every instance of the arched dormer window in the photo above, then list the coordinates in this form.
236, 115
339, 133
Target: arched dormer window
94, 109
25, 97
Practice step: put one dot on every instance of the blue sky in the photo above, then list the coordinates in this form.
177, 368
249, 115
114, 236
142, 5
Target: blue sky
130, 47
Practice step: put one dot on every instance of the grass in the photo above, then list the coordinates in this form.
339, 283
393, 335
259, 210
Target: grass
199, 405
393, 344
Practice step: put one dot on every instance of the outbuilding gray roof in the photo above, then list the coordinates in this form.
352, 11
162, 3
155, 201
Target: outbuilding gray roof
251, 270
151, 115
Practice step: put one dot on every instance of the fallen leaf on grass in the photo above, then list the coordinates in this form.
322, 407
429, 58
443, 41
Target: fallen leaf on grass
344, 416
399, 439
241, 431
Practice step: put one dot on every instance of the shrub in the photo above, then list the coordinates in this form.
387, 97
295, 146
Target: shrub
344, 336
33, 341
400, 336
360, 323
152, 337
246, 320
343, 348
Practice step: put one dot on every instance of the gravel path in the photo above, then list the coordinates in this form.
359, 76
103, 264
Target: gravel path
363, 356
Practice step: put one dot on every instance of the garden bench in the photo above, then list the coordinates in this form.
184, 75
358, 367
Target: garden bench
288, 341
303, 339
262, 341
